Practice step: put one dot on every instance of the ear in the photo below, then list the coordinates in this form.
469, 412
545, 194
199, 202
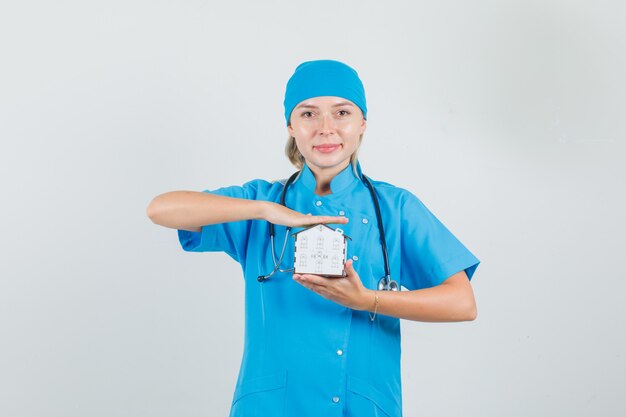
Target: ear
363, 126
290, 129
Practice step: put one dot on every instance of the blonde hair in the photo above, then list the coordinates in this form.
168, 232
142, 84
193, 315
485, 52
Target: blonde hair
296, 158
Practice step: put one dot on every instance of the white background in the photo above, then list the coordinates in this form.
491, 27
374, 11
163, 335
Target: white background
505, 117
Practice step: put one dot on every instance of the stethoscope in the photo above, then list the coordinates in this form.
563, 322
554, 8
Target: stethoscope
384, 284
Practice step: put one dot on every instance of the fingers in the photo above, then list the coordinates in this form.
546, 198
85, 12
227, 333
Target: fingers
334, 289
336, 219
310, 282
351, 274
309, 279
326, 219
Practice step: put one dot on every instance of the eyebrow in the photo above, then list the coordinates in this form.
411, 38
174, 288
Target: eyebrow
309, 106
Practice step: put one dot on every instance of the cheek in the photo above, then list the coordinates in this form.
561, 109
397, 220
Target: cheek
300, 130
351, 134
301, 146
352, 128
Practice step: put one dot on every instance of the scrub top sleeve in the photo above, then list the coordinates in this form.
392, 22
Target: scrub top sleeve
430, 252
231, 237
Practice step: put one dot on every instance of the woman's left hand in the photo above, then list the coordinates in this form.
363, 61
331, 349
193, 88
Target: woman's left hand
348, 291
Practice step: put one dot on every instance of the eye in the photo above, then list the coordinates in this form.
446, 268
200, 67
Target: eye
343, 112
306, 114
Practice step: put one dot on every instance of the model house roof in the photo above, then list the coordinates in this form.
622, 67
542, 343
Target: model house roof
321, 224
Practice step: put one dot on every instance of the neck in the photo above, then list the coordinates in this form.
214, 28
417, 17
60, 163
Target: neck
323, 177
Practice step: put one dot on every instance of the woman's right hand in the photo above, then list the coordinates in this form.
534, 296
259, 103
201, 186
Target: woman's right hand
281, 215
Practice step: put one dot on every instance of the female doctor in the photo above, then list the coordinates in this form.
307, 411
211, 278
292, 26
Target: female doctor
318, 346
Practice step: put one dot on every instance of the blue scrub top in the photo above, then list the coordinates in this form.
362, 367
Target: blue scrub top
303, 354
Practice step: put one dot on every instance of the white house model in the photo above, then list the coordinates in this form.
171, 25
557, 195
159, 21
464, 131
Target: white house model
320, 250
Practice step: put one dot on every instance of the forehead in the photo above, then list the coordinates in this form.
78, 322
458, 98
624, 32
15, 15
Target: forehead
325, 101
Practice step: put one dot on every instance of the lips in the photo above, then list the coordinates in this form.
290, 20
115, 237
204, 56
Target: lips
327, 148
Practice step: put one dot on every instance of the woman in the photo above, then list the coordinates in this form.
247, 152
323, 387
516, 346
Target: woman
319, 346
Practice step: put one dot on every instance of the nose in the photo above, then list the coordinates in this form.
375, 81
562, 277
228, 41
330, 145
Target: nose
327, 124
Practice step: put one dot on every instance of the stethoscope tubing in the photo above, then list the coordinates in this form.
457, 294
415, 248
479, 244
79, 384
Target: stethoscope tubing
385, 283
381, 228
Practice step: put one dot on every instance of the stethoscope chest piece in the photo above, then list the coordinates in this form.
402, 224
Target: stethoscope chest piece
388, 284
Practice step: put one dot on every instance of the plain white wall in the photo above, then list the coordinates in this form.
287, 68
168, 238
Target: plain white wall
505, 118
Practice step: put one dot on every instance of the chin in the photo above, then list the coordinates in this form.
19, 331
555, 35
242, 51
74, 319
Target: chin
328, 163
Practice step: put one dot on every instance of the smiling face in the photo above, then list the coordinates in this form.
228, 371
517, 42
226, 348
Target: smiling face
327, 132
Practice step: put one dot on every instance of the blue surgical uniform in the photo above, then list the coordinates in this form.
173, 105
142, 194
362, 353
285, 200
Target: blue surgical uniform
305, 355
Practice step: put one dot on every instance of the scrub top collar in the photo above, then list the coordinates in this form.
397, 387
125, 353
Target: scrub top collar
339, 183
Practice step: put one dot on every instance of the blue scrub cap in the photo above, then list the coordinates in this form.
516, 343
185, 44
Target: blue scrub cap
324, 78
